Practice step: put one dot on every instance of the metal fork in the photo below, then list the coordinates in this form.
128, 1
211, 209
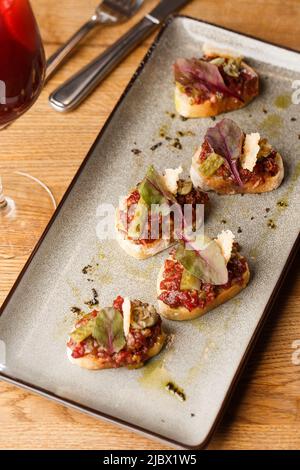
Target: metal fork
108, 12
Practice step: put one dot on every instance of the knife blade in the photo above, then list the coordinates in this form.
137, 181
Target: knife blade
71, 94
166, 8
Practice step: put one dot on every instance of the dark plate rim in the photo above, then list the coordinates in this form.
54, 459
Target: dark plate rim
64, 401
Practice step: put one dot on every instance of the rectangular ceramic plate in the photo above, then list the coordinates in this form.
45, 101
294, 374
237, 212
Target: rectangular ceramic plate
205, 355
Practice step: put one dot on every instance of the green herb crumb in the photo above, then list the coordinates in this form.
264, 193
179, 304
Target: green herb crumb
271, 224
76, 310
136, 151
177, 144
94, 301
156, 146
282, 203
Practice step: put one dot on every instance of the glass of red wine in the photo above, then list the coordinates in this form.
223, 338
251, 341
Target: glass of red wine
22, 70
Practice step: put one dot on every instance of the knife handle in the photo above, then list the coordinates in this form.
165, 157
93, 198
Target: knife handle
71, 93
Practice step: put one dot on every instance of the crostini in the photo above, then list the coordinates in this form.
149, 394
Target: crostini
232, 162
198, 277
125, 335
216, 83
145, 218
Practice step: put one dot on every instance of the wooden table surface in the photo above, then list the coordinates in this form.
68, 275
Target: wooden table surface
265, 410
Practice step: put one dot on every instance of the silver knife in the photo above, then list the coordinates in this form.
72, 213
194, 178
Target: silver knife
71, 93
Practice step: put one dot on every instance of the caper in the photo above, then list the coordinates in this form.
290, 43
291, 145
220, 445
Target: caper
218, 61
185, 188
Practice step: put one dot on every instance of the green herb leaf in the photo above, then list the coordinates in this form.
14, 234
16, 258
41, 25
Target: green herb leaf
157, 192
149, 193
108, 330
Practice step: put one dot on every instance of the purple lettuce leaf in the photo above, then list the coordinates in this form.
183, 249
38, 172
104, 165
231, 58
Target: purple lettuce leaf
108, 330
202, 75
226, 139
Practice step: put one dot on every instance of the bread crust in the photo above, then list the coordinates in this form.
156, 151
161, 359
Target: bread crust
209, 108
182, 313
227, 186
91, 362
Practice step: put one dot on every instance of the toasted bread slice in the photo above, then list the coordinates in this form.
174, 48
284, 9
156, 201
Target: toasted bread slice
228, 186
145, 248
91, 362
125, 335
213, 107
182, 313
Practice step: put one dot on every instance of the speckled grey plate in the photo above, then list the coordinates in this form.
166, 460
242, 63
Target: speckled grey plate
205, 355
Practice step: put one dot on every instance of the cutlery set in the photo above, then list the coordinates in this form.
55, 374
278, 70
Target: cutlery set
70, 94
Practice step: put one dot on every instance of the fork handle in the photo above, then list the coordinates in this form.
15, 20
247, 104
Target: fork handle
69, 95
64, 52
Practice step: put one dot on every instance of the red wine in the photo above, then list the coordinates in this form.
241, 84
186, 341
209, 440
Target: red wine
22, 59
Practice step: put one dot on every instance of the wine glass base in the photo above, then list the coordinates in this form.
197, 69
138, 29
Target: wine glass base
29, 206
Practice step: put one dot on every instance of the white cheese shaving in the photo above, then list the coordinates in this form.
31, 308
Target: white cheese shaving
251, 150
171, 178
126, 315
213, 49
225, 241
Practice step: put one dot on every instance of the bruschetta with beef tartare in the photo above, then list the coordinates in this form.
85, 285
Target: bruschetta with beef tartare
145, 218
230, 162
125, 335
199, 276
216, 83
